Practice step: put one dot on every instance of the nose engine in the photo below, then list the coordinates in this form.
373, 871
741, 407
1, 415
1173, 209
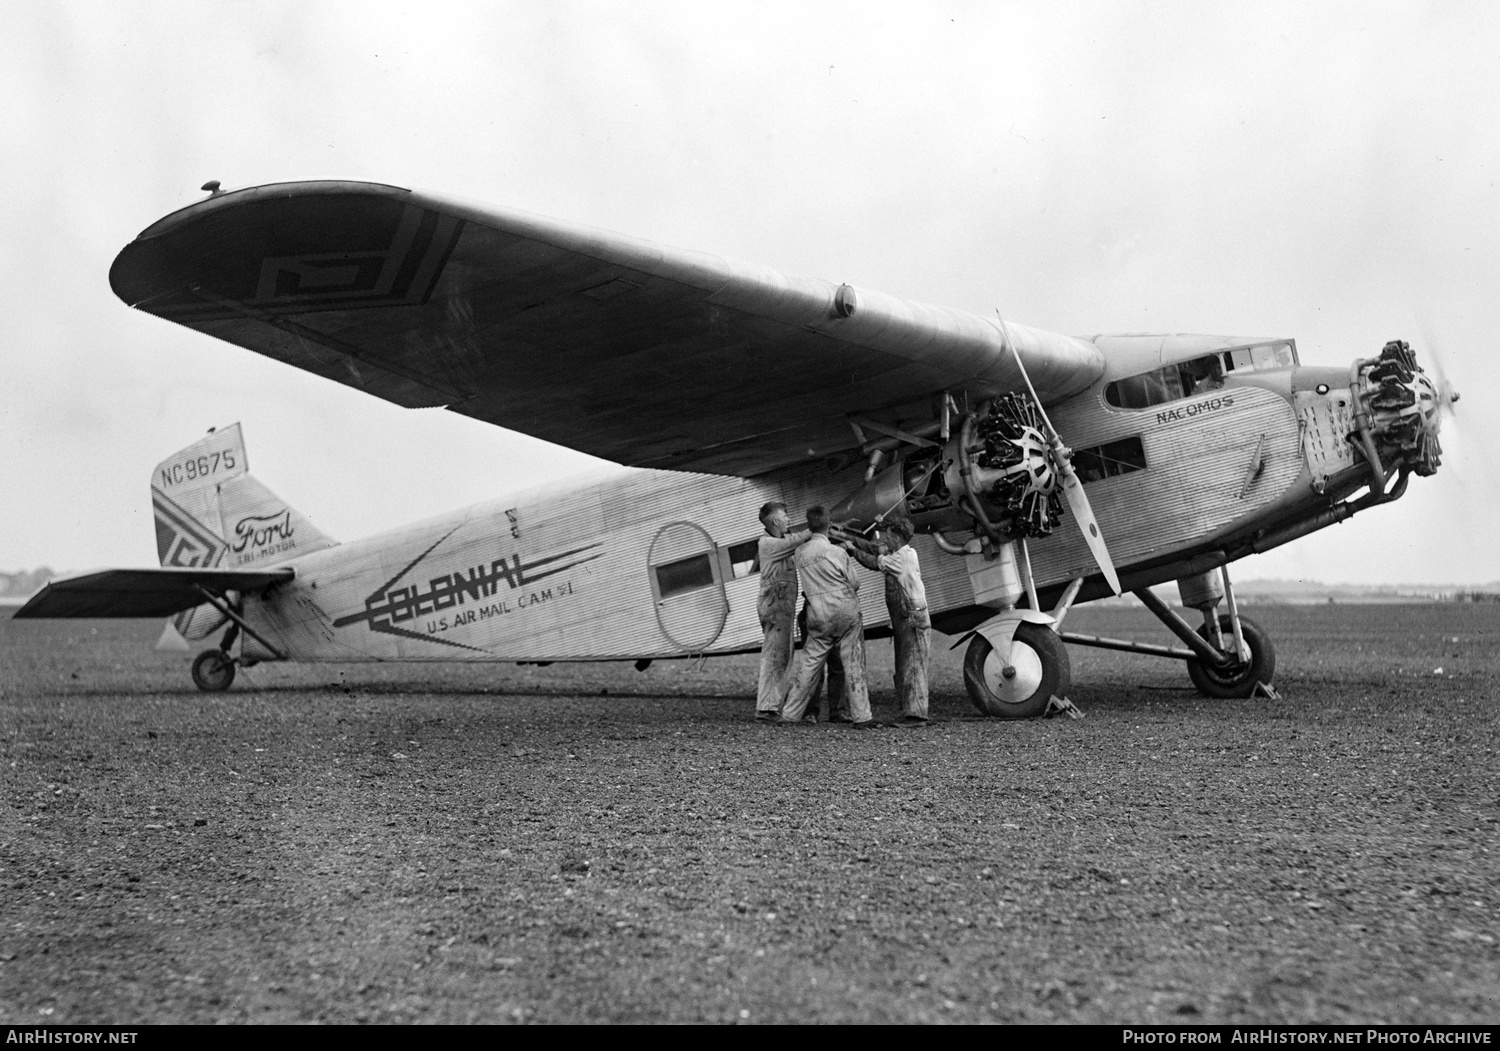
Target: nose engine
1399, 411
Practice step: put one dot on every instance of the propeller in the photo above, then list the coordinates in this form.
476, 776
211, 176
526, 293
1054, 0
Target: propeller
1078, 501
1446, 395
1469, 443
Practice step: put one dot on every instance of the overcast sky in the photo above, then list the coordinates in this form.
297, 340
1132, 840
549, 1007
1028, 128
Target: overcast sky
1320, 171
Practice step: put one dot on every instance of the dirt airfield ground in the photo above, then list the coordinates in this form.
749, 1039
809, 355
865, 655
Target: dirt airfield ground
589, 843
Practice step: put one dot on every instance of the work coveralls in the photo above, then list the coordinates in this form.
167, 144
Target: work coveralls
830, 585
838, 697
906, 600
778, 612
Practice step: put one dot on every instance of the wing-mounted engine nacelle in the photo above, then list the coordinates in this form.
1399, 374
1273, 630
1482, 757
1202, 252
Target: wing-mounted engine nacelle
995, 475
913, 488
1000, 466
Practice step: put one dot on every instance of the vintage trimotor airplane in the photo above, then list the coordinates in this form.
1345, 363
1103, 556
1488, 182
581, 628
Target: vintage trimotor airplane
726, 385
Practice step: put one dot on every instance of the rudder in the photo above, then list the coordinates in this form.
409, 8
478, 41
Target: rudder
209, 511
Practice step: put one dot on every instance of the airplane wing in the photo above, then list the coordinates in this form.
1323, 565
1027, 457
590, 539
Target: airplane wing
142, 592
629, 350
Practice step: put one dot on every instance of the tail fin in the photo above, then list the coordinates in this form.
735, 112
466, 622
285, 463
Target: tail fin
210, 512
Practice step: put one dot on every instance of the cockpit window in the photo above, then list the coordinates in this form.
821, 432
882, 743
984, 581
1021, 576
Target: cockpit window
1187, 378
1181, 380
1264, 356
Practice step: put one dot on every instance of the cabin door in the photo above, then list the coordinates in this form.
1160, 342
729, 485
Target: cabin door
687, 583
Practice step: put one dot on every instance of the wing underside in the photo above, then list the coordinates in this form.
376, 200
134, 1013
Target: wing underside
143, 592
625, 349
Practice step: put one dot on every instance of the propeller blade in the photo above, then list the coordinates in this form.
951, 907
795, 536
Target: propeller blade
1446, 395
1083, 514
1078, 501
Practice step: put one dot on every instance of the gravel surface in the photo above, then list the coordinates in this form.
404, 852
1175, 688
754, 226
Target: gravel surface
588, 843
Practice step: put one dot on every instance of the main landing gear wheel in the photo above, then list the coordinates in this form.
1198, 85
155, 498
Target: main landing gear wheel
1041, 671
213, 671
1240, 678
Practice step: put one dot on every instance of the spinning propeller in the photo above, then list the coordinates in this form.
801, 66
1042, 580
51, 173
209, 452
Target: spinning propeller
1072, 487
1446, 395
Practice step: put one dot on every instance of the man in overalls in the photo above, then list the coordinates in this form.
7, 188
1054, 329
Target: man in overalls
777, 607
831, 586
906, 600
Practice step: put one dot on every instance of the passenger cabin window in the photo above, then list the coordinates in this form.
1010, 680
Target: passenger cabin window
742, 559
1109, 460
1184, 379
687, 574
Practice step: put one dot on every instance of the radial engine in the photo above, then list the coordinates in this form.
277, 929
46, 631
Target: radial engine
1398, 411
995, 474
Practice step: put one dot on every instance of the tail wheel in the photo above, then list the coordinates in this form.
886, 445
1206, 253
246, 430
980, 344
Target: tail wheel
1040, 671
1240, 678
213, 671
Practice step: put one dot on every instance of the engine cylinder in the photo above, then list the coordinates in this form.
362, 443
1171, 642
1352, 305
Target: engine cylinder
1401, 407
1000, 461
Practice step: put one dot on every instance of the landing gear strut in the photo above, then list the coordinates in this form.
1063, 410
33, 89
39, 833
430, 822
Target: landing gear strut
1016, 664
1229, 656
1241, 677
213, 670
1038, 671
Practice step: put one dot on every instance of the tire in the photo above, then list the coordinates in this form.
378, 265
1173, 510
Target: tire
1042, 672
213, 671
1238, 680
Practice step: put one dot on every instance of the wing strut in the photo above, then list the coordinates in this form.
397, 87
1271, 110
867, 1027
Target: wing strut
218, 603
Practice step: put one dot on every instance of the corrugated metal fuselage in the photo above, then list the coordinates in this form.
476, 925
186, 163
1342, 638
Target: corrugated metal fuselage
570, 575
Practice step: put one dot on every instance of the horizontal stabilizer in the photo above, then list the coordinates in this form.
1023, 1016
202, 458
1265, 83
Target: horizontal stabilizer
143, 592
